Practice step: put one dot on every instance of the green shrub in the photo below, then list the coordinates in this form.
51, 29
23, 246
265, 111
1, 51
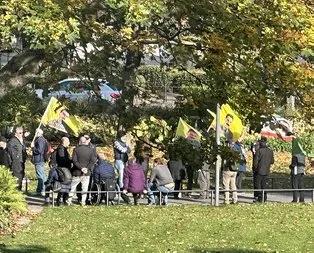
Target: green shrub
11, 200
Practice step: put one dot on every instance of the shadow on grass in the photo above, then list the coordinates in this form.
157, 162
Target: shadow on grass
198, 250
24, 249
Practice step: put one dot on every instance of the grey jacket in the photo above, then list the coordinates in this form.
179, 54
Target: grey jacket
161, 174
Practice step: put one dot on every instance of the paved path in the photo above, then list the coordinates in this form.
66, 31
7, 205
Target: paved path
35, 203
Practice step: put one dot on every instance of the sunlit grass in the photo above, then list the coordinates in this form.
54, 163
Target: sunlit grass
236, 228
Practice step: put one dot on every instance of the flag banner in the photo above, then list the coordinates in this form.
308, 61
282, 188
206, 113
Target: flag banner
297, 148
56, 116
188, 132
236, 126
277, 127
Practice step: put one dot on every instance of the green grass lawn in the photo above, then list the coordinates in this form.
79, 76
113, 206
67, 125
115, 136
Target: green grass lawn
234, 228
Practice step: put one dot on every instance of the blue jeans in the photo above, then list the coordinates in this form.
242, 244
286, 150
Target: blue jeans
41, 177
119, 165
155, 187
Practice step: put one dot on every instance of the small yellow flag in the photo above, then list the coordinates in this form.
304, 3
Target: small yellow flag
186, 131
236, 126
57, 117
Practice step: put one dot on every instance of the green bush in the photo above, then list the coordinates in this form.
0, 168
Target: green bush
11, 200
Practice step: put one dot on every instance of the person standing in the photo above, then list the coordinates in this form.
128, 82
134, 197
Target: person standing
177, 170
263, 160
203, 180
18, 155
254, 148
297, 168
62, 159
4, 155
239, 148
229, 175
39, 147
84, 160
121, 151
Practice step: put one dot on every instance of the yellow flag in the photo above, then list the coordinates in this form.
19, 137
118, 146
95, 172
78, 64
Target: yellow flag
186, 131
57, 117
236, 127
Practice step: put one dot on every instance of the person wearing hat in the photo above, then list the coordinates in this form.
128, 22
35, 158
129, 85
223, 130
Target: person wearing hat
4, 155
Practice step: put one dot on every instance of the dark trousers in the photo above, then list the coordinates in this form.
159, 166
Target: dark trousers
261, 182
177, 187
255, 186
239, 179
64, 196
18, 171
190, 174
297, 182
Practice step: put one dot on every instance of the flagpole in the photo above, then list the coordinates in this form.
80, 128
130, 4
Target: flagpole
218, 157
41, 121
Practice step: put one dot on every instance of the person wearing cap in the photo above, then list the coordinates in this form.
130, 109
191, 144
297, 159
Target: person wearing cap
18, 155
263, 160
39, 147
4, 156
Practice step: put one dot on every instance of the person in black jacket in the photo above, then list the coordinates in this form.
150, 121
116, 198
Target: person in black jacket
62, 159
18, 155
121, 155
84, 160
62, 154
4, 155
264, 158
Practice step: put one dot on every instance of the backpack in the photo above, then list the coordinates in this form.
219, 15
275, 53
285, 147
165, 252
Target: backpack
64, 175
109, 185
47, 151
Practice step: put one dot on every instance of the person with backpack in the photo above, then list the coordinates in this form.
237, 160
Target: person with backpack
61, 155
61, 161
84, 160
134, 181
40, 148
59, 180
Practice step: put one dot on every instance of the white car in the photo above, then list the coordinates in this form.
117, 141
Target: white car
80, 89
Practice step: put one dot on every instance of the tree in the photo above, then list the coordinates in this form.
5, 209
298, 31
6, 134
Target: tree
254, 53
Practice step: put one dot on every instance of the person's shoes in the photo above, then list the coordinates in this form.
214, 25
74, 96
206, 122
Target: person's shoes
47, 203
164, 204
151, 204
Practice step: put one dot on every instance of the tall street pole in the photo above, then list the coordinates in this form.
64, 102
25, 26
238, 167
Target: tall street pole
218, 162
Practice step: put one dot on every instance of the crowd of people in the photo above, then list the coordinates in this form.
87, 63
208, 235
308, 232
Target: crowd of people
129, 173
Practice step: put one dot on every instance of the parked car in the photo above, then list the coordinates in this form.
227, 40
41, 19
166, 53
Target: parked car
82, 89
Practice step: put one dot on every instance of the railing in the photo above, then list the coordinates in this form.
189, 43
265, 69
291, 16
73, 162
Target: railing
211, 192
